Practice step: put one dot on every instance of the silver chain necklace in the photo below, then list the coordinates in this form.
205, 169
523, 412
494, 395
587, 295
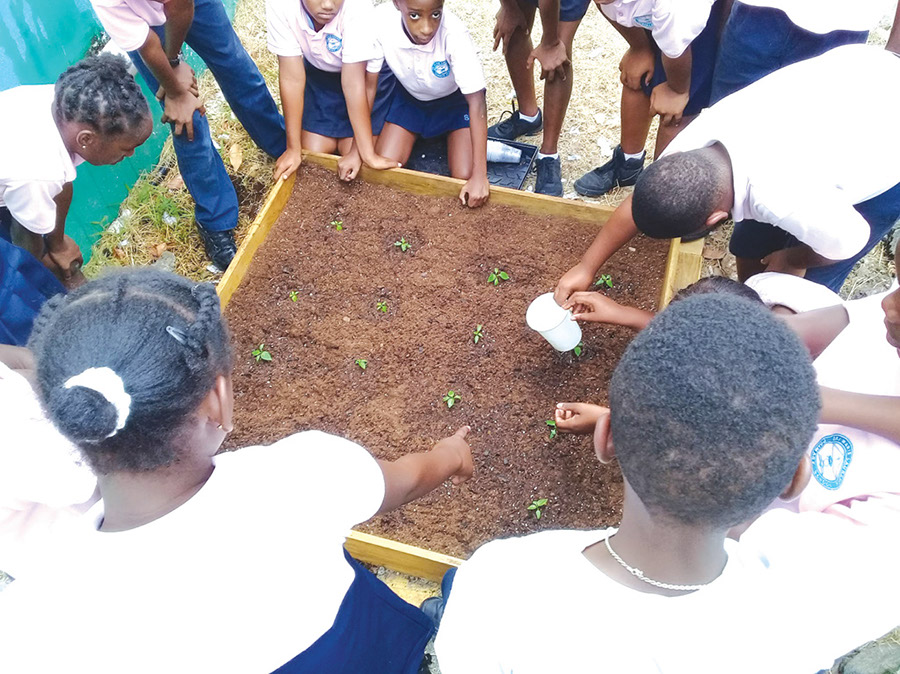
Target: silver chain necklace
637, 573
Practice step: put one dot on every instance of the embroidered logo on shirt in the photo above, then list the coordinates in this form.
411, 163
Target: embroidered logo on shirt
830, 458
440, 68
645, 21
332, 42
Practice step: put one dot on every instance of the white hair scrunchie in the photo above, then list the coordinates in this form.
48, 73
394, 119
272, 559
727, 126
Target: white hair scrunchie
107, 383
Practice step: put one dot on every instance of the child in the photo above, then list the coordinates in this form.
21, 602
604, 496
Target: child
818, 221
95, 113
315, 40
231, 563
442, 91
153, 32
559, 22
667, 71
711, 410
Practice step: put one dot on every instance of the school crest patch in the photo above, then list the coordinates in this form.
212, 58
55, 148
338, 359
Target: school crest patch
830, 459
332, 42
440, 68
644, 21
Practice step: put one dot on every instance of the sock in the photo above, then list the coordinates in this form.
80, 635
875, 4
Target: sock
541, 155
639, 155
526, 118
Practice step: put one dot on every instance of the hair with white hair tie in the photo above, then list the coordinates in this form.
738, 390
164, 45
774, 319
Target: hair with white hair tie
107, 383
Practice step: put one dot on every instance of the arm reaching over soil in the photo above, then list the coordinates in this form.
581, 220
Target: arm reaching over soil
598, 308
359, 108
291, 84
414, 475
578, 418
477, 188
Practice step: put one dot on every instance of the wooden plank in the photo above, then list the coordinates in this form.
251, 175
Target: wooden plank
400, 557
254, 237
683, 267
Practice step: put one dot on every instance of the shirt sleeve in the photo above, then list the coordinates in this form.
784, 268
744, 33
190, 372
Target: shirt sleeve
31, 204
464, 61
359, 37
676, 24
282, 40
128, 30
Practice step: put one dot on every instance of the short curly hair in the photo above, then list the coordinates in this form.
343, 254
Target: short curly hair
674, 196
712, 440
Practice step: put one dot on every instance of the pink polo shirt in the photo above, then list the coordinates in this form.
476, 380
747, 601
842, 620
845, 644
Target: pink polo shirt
128, 21
346, 38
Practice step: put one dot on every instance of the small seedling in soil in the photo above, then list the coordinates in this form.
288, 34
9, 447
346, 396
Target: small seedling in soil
403, 245
451, 398
497, 275
579, 349
362, 362
382, 307
294, 295
478, 334
552, 426
537, 507
605, 280
338, 225
260, 353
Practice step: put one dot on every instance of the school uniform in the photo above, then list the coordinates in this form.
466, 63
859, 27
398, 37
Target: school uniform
344, 39
249, 576
433, 77
211, 36
761, 36
569, 10
841, 193
672, 27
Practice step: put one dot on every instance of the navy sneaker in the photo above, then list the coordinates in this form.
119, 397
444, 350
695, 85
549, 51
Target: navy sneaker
514, 126
219, 246
549, 176
617, 172
433, 607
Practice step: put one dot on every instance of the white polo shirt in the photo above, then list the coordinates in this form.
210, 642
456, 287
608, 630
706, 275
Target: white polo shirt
128, 21
824, 16
347, 38
674, 24
808, 142
434, 70
34, 162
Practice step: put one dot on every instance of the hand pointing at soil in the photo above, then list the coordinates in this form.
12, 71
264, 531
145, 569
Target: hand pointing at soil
457, 443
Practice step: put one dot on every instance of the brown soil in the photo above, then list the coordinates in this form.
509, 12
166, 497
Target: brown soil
422, 347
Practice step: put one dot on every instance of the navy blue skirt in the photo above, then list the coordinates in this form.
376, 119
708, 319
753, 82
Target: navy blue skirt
374, 632
325, 109
429, 119
703, 62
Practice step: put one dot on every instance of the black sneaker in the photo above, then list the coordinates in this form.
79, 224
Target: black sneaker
617, 172
549, 176
220, 246
433, 607
514, 126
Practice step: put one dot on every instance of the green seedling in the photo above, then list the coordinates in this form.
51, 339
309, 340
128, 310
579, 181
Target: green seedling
260, 353
294, 295
552, 426
537, 507
382, 307
604, 280
579, 349
478, 333
497, 275
451, 398
362, 362
403, 244
338, 225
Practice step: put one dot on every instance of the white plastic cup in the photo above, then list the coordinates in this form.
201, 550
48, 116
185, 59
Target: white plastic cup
503, 153
554, 323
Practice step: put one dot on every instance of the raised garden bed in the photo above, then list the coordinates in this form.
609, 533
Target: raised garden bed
333, 247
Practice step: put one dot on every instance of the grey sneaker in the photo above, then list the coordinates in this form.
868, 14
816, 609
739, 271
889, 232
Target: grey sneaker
514, 126
549, 176
617, 172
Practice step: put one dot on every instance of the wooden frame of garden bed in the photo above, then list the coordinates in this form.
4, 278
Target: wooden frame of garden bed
682, 268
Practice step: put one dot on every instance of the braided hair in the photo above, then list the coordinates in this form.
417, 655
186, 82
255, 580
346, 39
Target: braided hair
99, 91
164, 338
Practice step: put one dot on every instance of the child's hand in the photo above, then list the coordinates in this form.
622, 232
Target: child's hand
456, 445
475, 192
348, 166
381, 163
287, 164
179, 110
594, 307
554, 59
577, 278
510, 18
65, 262
578, 418
637, 66
187, 81
668, 104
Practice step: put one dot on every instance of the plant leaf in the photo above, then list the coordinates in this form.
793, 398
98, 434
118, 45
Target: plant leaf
532, 507
541, 502
537, 514
265, 355
503, 275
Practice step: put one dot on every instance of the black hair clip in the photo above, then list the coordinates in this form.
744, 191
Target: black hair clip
178, 335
